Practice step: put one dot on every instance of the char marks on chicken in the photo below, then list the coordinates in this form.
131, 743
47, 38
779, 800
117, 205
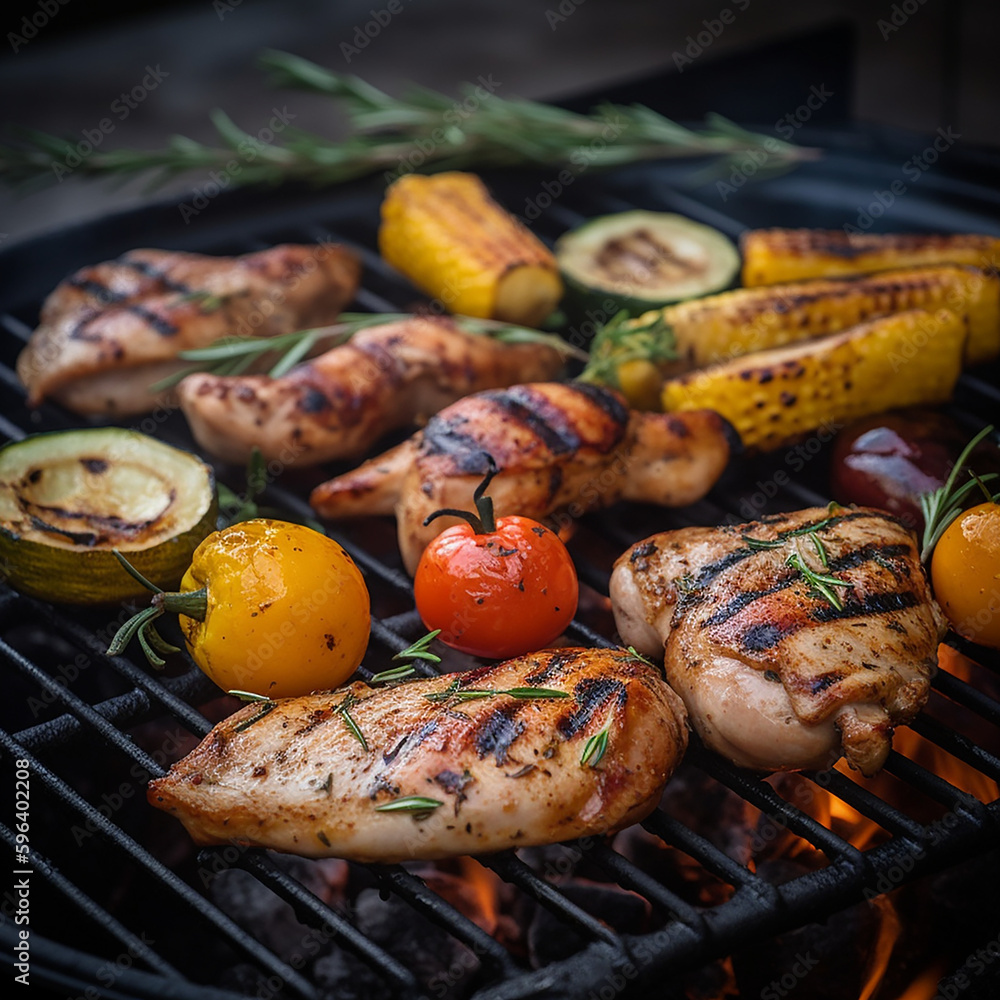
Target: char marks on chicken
560, 447
111, 331
778, 670
507, 772
338, 404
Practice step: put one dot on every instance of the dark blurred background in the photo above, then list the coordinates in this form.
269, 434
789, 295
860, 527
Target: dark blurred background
918, 65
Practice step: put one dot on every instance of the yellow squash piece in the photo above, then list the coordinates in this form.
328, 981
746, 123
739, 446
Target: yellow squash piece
771, 256
453, 241
732, 324
777, 396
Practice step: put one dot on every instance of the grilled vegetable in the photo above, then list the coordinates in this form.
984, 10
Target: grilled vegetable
965, 570
68, 499
453, 241
771, 256
776, 396
888, 460
266, 607
642, 260
495, 587
734, 323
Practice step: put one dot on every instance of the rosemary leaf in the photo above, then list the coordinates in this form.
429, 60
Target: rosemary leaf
417, 804
385, 130
393, 675
419, 651
596, 747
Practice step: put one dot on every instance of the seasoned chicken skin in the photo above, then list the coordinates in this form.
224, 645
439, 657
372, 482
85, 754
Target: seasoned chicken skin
774, 675
338, 404
111, 331
560, 448
508, 772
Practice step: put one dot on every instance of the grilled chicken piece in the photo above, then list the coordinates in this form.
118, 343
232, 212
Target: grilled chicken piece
562, 449
773, 674
339, 404
507, 771
111, 331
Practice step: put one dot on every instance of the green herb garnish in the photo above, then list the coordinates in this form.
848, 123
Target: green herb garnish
266, 706
454, 693
623, 339
941, 506
417, 651
344, 710
424, 128
416, 804
596, 747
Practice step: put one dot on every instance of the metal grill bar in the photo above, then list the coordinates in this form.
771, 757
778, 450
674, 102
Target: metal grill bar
957, 745
132, 943
224, 925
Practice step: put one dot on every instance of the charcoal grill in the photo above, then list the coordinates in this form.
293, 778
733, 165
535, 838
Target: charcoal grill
107, 909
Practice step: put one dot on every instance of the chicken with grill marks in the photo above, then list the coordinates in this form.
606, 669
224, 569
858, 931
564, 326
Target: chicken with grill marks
780, 670
562, 448
110, 332
340, 403
506, 771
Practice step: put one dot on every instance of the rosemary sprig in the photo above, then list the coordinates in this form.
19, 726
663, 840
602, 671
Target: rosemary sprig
266, 707
820, 583
454, 693
623, 339
417, 651
290, 348
344, 710
384, 134
943, 505
419, 805
596, 747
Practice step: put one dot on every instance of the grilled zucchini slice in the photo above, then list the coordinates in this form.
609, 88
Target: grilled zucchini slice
68, 498
642, 260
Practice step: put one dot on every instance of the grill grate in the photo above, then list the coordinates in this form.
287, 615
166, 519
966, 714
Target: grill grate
98, 714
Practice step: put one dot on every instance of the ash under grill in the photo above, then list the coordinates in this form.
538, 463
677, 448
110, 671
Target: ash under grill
121, 900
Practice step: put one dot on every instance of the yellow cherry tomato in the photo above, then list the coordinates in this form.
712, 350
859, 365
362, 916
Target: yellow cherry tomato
286, 609
965, 572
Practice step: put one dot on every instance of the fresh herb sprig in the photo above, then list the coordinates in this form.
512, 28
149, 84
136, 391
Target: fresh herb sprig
623, 339
265, 707
596, 747
454, 693
941, 506
820, 583
234, 355
419, 805
385, 131
416, 651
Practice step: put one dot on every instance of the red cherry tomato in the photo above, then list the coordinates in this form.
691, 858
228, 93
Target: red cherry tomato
499, 589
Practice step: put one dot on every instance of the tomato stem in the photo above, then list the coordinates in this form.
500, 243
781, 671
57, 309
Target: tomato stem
485, 523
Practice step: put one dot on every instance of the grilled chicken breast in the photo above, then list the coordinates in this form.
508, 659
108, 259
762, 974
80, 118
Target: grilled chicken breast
338, 404
111, 331
774, 674
561, 448
506, 771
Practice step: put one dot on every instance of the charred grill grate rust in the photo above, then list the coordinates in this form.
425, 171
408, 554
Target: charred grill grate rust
74, 712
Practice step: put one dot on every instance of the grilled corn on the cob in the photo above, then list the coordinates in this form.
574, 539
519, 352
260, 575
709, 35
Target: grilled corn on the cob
453, 241
734, 323
779, 395
771, 256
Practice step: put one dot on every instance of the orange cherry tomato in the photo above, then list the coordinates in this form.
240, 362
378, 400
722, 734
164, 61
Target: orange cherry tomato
496, 589
965, 571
